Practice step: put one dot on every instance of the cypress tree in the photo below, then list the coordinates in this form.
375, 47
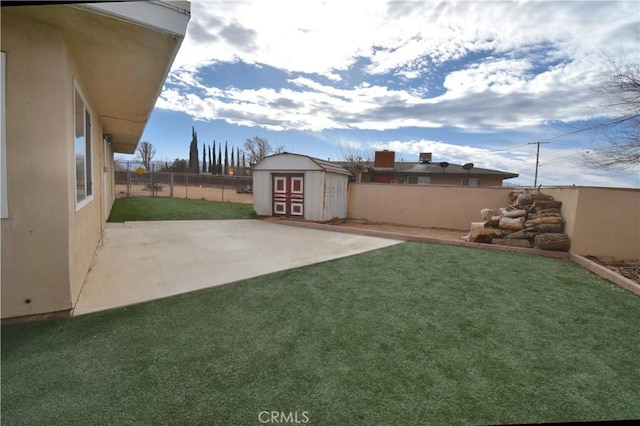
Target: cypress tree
232, 160
204, 158
226, 159
237, 157
193, 150
214, 166
209, 168
194, 162
220, 159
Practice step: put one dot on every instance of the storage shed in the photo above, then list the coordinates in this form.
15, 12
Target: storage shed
299, 186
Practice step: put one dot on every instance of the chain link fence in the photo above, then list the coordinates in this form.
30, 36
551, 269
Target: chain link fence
132, 179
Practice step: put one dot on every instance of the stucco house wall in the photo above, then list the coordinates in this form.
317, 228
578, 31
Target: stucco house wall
48, 237
35, 236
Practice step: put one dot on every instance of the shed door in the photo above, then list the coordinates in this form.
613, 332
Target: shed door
288, 195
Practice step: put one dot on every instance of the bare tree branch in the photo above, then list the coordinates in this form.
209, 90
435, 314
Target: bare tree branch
257, 148
146, 151
616, 142
358, 160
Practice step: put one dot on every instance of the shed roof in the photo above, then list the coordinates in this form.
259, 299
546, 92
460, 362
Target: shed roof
319, 164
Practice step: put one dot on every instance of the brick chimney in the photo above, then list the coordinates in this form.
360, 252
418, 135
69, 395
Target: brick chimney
384, 160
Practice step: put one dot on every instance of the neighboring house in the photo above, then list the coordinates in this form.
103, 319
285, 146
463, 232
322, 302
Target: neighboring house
426, 172
79, 82
299, 186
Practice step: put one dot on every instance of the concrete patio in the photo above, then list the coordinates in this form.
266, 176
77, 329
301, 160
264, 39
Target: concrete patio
142, 261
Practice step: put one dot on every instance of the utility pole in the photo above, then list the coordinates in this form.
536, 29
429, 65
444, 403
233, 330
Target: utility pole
535, 179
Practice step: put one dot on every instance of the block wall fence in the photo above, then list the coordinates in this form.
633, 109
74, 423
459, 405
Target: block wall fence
599, 221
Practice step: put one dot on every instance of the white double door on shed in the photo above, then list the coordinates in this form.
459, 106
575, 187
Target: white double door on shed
288, 194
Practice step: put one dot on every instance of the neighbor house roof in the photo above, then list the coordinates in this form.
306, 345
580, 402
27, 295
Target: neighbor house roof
417, 168
452, 169
123, 51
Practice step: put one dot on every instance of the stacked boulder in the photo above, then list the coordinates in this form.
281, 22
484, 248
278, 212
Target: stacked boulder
531, 219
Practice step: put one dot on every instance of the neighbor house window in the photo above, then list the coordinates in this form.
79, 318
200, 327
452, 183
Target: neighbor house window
419, 180
82, 148
3, 129
469, 181
424, 180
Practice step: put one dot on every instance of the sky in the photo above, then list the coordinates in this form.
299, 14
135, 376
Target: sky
468, 81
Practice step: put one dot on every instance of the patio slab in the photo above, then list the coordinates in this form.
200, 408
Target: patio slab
142, 261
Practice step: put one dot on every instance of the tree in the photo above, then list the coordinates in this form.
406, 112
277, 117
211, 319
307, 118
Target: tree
193, 151
616, 144
232, 158
180, 165
146, 151
214, 166
258, 148
237, 157
356, 159
226, 159
219, 159
204, 158
209, 168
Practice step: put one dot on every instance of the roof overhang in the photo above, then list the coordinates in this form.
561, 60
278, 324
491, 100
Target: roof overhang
123, 52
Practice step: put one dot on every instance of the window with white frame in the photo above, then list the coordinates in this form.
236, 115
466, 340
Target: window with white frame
419, 180
4, 207
467, 181
82, 149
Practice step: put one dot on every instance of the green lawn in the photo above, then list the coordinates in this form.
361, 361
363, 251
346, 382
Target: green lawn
406, 335
148, 208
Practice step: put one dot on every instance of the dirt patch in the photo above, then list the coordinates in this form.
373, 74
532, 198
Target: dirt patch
626, 268
442, 234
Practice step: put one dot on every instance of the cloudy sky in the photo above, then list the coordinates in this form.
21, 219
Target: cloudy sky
468, 81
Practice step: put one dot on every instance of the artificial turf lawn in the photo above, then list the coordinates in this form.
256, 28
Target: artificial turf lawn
157, 208
410, 334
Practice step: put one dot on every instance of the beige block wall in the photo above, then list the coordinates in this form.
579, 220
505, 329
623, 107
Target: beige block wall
35, 237
601, 221
430, 206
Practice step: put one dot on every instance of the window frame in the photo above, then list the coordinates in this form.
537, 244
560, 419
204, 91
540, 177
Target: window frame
469, 181
87, 152
4, 200
419, 180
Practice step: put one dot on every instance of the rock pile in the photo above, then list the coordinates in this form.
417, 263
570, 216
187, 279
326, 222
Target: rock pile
531, 219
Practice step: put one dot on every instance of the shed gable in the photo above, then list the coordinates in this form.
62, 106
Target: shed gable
287, 162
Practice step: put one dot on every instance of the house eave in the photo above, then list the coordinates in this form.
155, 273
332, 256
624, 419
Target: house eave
123, 53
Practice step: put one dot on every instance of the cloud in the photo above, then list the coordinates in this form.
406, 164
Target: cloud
477, 67
239, 37
468, 65
558, 166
